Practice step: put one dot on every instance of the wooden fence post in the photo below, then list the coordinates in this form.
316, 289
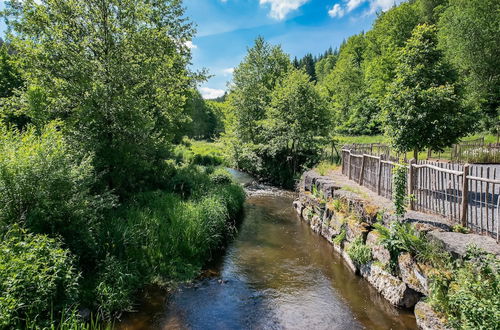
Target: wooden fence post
343, 162
411, 181
349, 168
379, 176
362, 172
465, 196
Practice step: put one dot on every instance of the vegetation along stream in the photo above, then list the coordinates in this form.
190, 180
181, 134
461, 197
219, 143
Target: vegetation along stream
276, 274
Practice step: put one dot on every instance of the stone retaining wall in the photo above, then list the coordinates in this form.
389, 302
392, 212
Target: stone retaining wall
332, 211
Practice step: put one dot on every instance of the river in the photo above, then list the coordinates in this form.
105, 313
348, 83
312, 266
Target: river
276, 274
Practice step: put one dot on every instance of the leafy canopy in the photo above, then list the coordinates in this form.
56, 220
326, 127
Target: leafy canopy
423, 108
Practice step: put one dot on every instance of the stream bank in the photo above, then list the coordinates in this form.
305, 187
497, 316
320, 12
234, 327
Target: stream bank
349, 218
276, 274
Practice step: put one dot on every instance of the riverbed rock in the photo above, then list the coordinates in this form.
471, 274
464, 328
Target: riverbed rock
457, 243
428, 319
391, 287
379, 252
413, 273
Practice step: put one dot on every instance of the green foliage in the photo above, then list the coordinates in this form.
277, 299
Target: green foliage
353, 110
460, 229
470, 38
423, 107
294, 118
221, 176
43, 187
198, 153
272, 134
400, 194
389, 34
161, 237
117, 76
10, 78
253, 81
403, 237
206, 117
340, 237
325, 167
468, 293
38, 279
359, 252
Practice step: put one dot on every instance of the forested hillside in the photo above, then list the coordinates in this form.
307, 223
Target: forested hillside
426, 74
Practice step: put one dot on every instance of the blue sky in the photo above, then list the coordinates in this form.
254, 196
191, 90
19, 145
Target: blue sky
226, 28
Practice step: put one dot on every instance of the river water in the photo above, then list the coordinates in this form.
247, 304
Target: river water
276, 274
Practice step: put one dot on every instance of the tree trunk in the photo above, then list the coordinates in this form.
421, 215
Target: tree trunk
415, 154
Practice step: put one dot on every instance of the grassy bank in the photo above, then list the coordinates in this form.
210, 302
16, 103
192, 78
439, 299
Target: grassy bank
64, 247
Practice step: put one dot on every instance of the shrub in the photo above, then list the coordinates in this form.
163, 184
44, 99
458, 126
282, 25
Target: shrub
359, 252
44, 188
221, 176
37, 278
469, 293
403, 237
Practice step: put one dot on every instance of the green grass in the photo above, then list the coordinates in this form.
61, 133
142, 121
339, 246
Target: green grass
325, 167
199, 152
161, 236
446, 155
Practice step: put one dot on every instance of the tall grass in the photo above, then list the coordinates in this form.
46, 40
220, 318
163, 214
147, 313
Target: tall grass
163, 236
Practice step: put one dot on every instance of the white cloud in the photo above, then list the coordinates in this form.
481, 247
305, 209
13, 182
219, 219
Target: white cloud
211, 93
189, 44
228, 71
353, 4
376, 5
339, 10
336, 11
281, 8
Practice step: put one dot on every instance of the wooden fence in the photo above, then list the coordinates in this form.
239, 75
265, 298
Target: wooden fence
465, 194
476, 153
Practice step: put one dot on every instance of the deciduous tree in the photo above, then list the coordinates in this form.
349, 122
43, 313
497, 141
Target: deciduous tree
423, 108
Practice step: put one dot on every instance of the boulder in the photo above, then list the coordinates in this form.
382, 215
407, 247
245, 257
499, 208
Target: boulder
413, 273
428, 319
391, 287
379, 252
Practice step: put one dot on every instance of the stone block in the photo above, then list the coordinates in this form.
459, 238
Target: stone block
316, 223
379, 252
428, 319
391, 287
328, 232
354, 230
456, 243
413, 273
